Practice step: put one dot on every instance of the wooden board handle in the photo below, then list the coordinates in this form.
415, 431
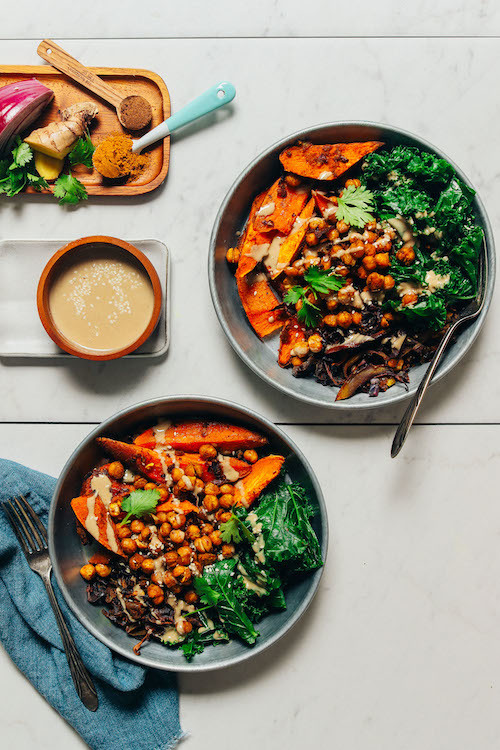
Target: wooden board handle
60, 59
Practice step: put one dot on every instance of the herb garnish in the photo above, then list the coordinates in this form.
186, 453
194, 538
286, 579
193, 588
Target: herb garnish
318, 282
16, 174
69, 190
140, 502
82, 152
354, 205
232, 531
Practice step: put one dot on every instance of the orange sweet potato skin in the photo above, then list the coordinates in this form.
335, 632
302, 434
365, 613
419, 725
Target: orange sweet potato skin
325, 161
290, 246
263, 472
183, 506
286, 204
251, 237
143, 460
80, 509
260, 304
192, 434
291, 335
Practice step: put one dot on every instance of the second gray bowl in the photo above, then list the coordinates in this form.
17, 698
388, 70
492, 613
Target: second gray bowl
261, 356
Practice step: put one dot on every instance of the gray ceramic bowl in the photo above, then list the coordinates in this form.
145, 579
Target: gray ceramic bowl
261, 356
68, 555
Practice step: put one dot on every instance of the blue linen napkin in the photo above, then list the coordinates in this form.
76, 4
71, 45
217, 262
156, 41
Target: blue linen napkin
138, 707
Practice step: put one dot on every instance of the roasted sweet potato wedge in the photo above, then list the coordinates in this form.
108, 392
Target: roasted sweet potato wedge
290, 246
183, 506
327, 161
263, 472
94, 517
260, 304
291, 335
253, 245
141, 459
117, 488
280, 207
192, 434
207, 474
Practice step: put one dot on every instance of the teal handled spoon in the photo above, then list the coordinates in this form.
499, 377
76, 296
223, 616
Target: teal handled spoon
214, 98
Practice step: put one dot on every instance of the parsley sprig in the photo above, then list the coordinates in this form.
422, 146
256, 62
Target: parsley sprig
354, 206
318, 282
233, 529
139, 503
19, 171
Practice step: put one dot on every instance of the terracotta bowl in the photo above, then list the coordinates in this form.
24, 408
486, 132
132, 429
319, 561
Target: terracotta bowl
53, 267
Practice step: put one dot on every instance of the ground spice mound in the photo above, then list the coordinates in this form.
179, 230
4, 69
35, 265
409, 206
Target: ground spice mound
113, 158
135, 112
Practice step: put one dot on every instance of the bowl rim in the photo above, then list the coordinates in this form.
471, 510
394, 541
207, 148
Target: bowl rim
347, 405
267, 426
42, 296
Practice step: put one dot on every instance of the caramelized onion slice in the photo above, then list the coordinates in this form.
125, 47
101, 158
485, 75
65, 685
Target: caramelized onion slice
358, 380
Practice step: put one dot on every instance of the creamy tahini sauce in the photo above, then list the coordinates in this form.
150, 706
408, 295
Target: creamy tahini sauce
102, 302
101, 485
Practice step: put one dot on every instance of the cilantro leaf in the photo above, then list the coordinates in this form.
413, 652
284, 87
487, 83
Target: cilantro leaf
309, 314
69, 190
294, 294
21, 154
354, 205
140, 502
82, 152
323, 281
232, 531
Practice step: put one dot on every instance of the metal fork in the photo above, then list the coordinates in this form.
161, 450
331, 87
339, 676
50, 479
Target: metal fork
32, 537
469, 313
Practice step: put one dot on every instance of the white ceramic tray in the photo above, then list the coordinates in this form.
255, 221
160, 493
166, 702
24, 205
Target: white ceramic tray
21, 332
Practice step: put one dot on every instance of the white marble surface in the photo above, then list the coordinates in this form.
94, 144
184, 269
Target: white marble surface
273, 75
400, 648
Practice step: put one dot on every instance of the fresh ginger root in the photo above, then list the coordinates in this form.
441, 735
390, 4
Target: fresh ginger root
47, 166
57, 138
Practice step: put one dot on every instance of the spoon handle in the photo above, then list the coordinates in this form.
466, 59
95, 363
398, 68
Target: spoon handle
215, 97
413, 406
60, 59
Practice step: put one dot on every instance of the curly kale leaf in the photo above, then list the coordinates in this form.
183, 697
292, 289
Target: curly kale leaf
407, 164
429, 310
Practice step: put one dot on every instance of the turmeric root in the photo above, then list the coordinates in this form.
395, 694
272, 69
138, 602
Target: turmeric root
57, 138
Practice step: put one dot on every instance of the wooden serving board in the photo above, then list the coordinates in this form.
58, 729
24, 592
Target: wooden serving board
125, 80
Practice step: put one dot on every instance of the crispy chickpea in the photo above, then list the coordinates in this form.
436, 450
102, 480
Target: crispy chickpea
183, 484
177, 536
225, 516
291, 271
251, 456
212, 489
226, 501
150, 486
227, 489
369, 262
409, 299
370, 249
148, 566
198, 469
383, 260
207, 528
199, 484
317, 223
296, 361
178, 571
342, 270
292, 180
333, 235
183, 626
356, 318
210, 503
185, 554
227, 550
375, 282
176, 520
171, 558
142, 544
116, 470
176, 474
315, 344
233, 255
102, 570
371, 225
206, 558
87, 572
129, 546
344, 319
168, 580
146, 533
208, 452
348, 259
311, 239
190, 470
342, 227
330, 321
140, 483
158, 577
135, 561
388, 282
301, 349
215, 538
190, 597
136, 526
193, 531
186, 577
384, 243
406, 255
353, 181
332, 302
114, 510
154, 591
165, 529
346, 295
326, 263
124, 532
203, 544
362, 272
161, 517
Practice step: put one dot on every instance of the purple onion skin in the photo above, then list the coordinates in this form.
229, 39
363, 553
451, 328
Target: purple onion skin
20, 104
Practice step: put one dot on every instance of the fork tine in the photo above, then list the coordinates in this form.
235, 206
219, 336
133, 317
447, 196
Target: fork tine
36, 521
13, 522
32, 534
